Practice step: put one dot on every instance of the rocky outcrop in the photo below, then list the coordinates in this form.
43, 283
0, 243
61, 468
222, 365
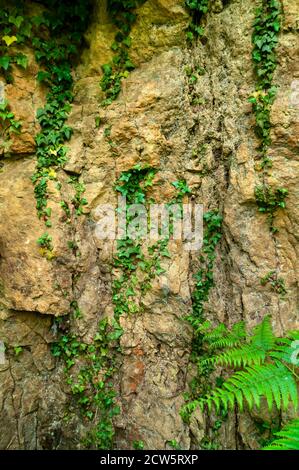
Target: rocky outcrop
202, 132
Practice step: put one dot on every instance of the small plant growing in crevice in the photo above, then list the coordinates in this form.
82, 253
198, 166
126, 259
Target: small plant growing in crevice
269, 200
18, 350
277, 283
138, 445
46, 246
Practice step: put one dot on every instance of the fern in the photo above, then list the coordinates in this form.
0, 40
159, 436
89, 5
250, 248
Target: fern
216, 334
242, 356
266, 363
273, 381
263, 336
229, 338
288, 437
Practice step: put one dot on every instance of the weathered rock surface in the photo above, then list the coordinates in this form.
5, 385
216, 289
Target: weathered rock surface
210, 142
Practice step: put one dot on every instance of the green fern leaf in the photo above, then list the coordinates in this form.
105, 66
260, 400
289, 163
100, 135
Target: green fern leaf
263, 337
237, 357
289, 437
275, 382
216, 334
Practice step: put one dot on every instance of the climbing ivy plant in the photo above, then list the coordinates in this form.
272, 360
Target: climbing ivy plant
266, 28
56, 36
138, 267
55, 50
203, 283
15, 29
197, 9
89, 369
122, 13
9, 125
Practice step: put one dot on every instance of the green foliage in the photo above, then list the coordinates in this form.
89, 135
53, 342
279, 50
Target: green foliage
267, 371
8, 124
288, 437
45, 241
197, 9
276, 283
55, 55
203, 283
204, 277
269, 200
89, 368
15, 26
221, 336
122, 13
174, 444
182, 190
138, 445
56, 35
78, 201
266, 25
261, 103
266, 29
18, 350
133, 183
46, 246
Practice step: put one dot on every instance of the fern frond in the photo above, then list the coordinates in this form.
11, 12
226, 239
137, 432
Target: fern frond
216, 334
263, 336
289, 437
199, 327
230, 338
286, 349
237, 357
273, 381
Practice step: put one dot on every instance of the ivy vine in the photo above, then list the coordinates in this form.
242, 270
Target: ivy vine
203, 283
266, 28
197, 9
122, 13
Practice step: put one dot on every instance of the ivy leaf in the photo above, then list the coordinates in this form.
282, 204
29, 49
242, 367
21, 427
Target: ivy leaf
41, 76
38, 20
22, 60
256, 56
114, 46
5, 62
16, 20
129, 65
276, 26
127, 41
9, 40
107, 69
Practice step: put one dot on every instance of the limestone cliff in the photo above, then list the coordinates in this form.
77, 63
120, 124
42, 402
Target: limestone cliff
201, 132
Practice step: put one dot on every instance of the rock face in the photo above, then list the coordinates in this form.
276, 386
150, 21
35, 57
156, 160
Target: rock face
201, 132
